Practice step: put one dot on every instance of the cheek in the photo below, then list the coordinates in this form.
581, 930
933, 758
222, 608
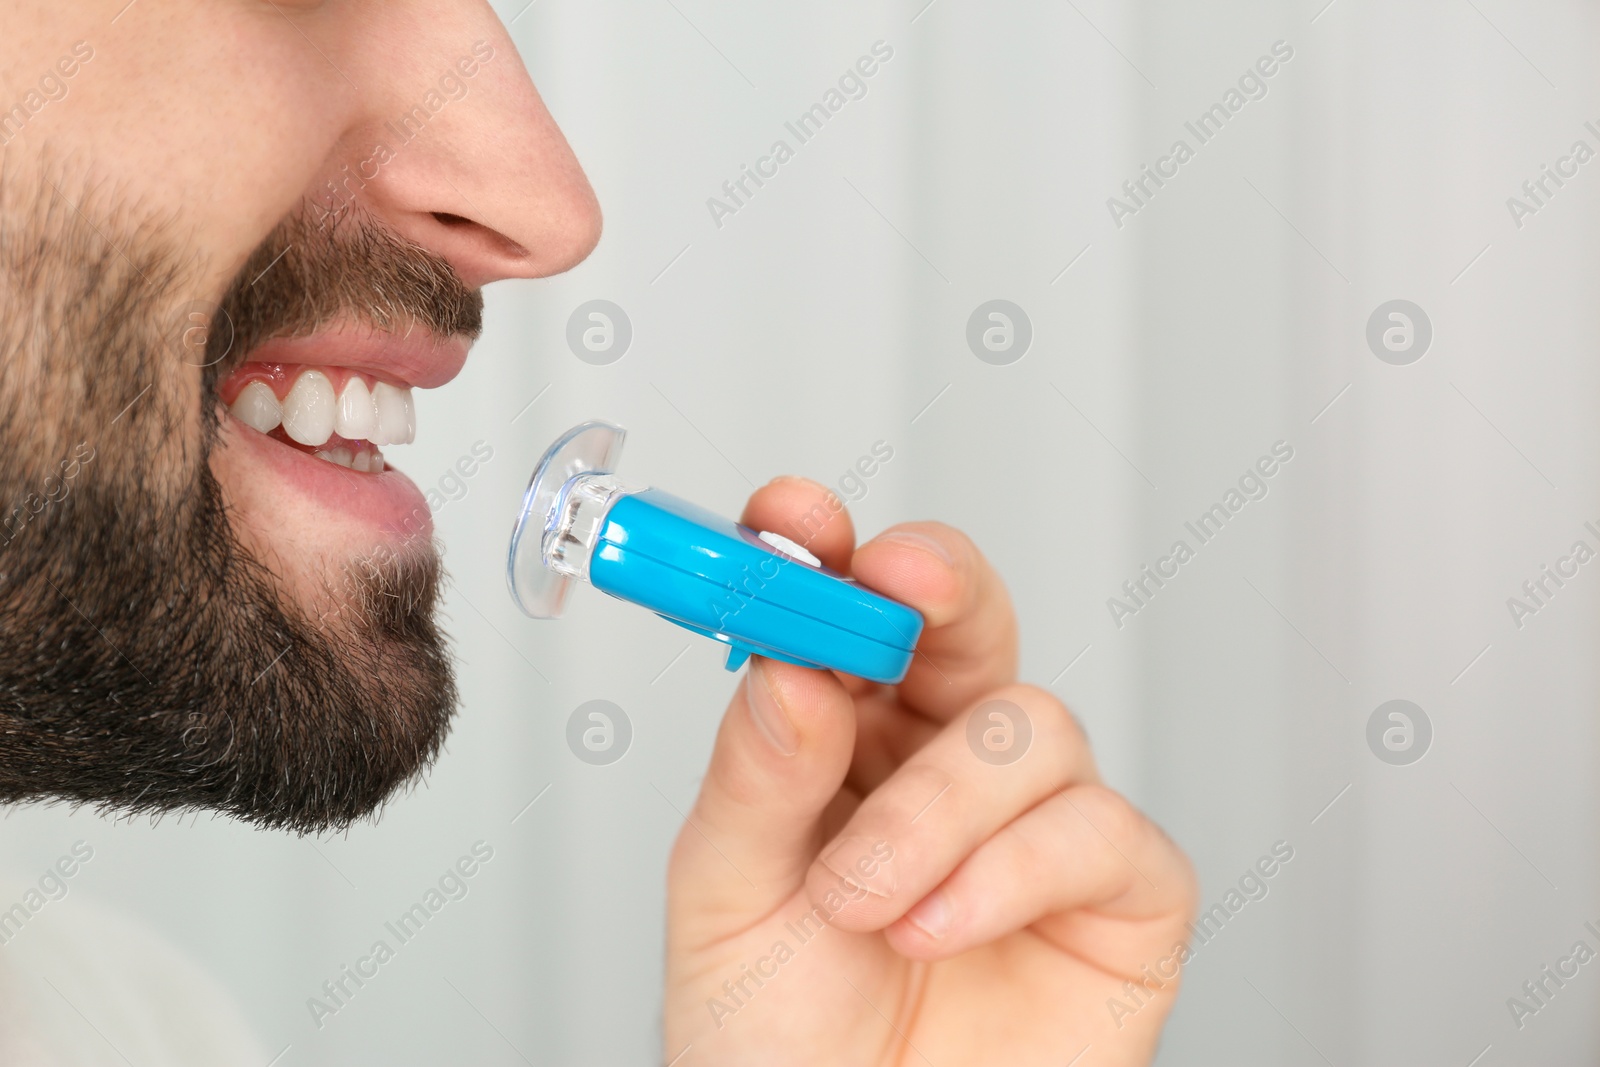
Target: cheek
229, 75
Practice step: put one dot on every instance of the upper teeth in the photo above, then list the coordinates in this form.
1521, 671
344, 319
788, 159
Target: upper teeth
311, 413
357, 417
257, 406
397, 419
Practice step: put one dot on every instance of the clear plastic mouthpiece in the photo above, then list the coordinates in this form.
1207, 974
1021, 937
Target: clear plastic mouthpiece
562, 513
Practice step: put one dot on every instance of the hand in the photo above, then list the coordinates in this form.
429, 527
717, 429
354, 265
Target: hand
854, 885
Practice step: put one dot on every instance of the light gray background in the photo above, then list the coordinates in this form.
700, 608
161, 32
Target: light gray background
830, 313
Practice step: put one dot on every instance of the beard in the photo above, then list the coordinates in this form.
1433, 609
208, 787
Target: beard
149, 663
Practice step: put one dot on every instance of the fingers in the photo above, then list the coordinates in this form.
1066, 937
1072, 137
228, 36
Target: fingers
807, 514
1085, 868
940, 806
780, 756
969, 640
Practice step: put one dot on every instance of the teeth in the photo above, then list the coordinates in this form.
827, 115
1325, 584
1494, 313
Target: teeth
367, 460
312, 413
357, 418
342, 456
397, 420
308, 410
257, 407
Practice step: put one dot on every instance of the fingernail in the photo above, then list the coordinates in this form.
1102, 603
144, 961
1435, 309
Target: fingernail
862, 864
801, 481
767, 712
931, 915
922, 541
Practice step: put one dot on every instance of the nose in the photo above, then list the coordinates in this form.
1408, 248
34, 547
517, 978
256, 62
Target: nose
452, 146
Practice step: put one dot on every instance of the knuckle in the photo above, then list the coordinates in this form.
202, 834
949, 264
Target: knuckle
910, 791
1049, 716
1109, 812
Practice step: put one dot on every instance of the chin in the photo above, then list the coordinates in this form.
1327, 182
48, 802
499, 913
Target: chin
229, 603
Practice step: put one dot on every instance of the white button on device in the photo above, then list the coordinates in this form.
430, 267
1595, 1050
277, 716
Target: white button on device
789, 548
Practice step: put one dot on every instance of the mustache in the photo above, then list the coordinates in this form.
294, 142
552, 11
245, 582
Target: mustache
302, 278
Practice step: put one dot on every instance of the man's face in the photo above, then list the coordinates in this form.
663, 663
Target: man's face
233, 237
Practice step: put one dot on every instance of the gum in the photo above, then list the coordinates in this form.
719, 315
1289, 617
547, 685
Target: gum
281, 377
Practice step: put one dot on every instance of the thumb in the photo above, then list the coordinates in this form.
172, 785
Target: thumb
781, 754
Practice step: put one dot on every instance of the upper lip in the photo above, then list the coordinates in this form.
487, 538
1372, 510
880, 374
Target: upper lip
417, 357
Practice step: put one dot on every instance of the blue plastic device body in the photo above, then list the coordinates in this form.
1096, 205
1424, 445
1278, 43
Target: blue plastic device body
718, 578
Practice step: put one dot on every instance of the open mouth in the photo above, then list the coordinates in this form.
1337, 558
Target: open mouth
308, 420
342, 393
337, 414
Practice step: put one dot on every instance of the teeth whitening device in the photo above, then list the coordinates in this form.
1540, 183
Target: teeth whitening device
756, 592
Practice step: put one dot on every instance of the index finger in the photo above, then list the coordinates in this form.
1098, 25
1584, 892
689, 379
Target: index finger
808, 514
969, 640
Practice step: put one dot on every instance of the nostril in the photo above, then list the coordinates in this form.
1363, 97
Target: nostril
502, 243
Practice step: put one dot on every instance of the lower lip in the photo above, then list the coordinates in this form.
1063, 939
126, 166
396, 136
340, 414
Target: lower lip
389, 500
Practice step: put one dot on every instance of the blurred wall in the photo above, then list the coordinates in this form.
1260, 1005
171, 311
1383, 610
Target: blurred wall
1174, 345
